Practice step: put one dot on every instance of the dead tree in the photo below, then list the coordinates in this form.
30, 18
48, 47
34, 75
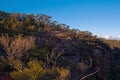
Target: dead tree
15, 48
83, 70
52, 57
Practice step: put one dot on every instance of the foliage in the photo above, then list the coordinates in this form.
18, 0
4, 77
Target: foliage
33, 71
36, 71
33, 47
15, 48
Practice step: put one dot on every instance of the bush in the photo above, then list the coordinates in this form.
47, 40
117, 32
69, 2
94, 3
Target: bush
33, 71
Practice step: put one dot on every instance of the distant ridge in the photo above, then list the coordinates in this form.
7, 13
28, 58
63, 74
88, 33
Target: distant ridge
109, 37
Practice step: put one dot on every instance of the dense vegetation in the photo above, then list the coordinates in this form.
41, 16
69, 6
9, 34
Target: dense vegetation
32, 47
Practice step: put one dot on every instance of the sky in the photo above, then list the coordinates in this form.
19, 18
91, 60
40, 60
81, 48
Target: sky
101, 17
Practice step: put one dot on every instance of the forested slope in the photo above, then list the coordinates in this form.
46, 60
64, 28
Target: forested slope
33, 47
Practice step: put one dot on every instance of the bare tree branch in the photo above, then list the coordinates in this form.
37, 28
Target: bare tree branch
15, 48
90, 74
53, 56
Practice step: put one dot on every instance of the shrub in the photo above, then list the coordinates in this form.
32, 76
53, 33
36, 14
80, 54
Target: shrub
33, 71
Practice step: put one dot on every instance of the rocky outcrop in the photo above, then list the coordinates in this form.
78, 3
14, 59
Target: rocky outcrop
83, 59
116, 62
104, 60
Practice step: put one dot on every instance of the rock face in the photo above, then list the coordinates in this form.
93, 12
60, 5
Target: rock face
104, 60
82, 58
100, 66
116, 62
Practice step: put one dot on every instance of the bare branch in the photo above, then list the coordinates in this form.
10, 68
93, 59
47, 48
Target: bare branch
90, 74
53, 56
84, 68
15, 48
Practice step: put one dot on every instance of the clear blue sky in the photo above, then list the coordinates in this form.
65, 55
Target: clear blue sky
101, 17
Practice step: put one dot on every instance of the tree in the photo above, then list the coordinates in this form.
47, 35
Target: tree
16, 48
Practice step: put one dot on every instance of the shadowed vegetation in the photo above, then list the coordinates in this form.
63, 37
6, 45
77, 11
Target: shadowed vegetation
33, 47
